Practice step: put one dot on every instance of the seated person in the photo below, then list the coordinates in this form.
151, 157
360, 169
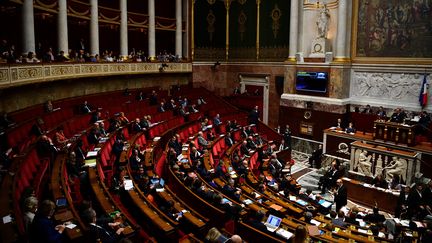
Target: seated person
228, 140
250, 143
350, 128
339, 124
136, 127
257, 221
338, 218
202, 142
379, 181
374, 217
96, 232
170, 211
367, 110
59, 138
43, 228
96, 116
244, 149
381, 113
398, 116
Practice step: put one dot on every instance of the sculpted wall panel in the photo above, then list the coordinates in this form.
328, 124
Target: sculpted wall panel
386, 87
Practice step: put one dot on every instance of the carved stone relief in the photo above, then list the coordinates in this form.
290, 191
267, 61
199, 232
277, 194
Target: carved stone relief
371, 163
389, 87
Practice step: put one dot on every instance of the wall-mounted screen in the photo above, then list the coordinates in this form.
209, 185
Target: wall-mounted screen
312, 81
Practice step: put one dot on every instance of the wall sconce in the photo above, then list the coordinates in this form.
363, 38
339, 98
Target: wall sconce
214, 67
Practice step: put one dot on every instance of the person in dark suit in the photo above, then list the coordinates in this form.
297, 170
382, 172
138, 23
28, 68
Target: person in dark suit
195, 155
250, 143
153, 98
228, 140
339, 124
85, 108
257, 221
340, 195
381, 113
161, 107
254, 116
244, 148
415, 200
374, 217
287, 136
96, 233
42, 228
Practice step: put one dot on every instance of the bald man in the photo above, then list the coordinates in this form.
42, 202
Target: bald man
340, 195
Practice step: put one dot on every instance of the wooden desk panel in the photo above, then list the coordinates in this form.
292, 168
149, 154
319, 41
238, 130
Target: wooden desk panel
368, 196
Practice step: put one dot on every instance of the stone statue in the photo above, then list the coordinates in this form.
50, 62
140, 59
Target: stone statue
364, 164
397, 167
323, 22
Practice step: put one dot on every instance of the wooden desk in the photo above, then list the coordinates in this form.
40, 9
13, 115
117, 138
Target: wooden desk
105, 200
368, 195
394, 132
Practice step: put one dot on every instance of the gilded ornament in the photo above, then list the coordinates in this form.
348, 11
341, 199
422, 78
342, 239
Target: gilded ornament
242, 18
211, 2
211, 19
275, 15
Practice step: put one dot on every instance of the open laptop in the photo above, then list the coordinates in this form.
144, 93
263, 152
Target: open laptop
272, 223
61, 202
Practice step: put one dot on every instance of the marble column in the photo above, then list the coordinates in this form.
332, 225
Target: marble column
29, 44
178, 36
62, 27
294, 24
151, 31
94, 27
340, 52
123, 29
186, 37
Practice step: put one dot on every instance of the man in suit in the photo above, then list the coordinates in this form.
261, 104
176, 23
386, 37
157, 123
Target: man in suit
375, 217
43, 228
161, 107
85, 108
381, 113
287, 136
340, 195
202, 142
257, 221
97, 233
228, 140
254, 116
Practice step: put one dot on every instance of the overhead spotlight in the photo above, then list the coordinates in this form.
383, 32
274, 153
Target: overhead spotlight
214, 67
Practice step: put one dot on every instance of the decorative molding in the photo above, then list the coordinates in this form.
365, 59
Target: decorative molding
14, 75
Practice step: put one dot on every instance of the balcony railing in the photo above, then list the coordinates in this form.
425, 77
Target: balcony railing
14, 75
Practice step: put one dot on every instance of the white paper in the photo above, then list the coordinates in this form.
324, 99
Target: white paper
128, 185
160, 189
284, 233
91, 154
315, 222
70, 226
7, 219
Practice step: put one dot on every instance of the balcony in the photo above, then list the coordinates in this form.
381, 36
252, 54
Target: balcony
22, 74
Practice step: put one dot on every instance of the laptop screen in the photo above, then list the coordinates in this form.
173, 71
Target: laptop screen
161, 182
274, 221
61, 202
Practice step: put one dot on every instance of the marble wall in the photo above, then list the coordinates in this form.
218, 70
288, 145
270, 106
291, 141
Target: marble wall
225, 78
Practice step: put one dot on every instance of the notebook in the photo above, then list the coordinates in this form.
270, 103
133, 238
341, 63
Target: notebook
272, 223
